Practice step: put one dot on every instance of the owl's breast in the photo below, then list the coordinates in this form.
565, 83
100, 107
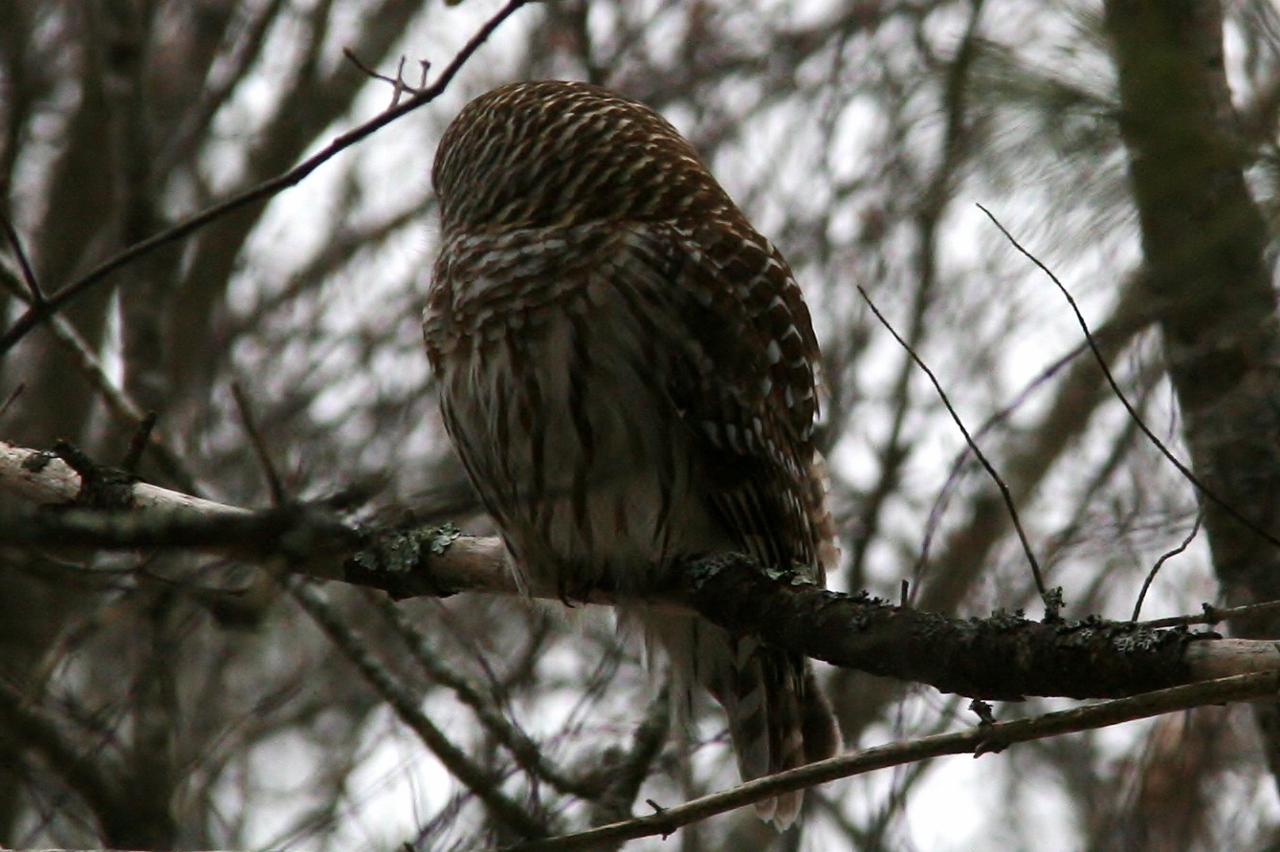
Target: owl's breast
557, 399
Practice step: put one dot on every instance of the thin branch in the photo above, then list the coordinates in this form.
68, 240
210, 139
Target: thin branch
139, 442
1128, 406
957, 465
1213, 615
24, 263
527, 753
935, 197
1051, 606
1155, 569
978, 740
268, 188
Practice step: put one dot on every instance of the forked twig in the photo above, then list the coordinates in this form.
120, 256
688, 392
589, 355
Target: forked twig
398, 85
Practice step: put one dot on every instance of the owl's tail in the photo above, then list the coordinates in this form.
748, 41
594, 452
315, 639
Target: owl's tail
778, 720
778, 717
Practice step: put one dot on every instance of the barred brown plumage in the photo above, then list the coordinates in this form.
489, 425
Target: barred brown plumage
627, 369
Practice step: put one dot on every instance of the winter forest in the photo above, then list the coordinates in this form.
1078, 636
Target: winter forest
1037, 238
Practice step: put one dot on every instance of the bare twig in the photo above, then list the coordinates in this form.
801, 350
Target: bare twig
1155, 569
37, 313
1128, 406
398, 84
1050, 604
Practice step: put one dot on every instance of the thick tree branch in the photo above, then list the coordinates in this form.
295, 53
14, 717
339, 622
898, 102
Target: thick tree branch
1001, 657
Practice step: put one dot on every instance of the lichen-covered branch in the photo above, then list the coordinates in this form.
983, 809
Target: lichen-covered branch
1004, 656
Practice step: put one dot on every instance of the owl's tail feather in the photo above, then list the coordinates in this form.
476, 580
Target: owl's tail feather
778, 717
778, 720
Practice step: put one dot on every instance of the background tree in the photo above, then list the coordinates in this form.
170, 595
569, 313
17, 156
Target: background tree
142, 708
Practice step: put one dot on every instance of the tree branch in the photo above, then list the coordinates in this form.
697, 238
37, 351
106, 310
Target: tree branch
1001, 657
480, 780
977, 741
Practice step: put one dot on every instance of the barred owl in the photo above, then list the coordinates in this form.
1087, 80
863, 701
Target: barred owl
627, 370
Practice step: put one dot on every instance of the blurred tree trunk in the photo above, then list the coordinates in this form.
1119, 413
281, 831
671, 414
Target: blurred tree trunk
1204, 239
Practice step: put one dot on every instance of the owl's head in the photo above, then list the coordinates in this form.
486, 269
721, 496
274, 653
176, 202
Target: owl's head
554, 153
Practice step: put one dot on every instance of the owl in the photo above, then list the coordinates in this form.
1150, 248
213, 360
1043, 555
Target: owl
628, 372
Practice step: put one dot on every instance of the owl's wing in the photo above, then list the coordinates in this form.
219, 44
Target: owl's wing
741, 373
716, 321
739, 359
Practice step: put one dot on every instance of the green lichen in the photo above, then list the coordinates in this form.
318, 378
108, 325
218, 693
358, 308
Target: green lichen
1137, 640
402, 551
441, 537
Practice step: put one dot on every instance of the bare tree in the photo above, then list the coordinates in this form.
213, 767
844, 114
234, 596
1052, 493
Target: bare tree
158, 699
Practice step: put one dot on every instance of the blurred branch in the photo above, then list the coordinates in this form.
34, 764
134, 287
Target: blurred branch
182, 144
935, 199
626, 772
122, 406
338, 250
1002, 657
526, 752
41, 732
39, 312
480, 780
